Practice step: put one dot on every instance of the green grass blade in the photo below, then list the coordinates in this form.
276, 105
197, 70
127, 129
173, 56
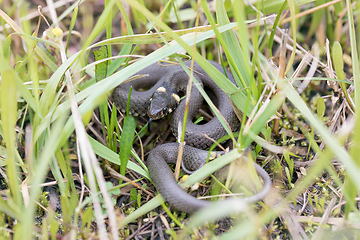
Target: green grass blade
293, 33
239, 62
8, 98
126, 141
273, 30
72, 23
352, 185
113, 157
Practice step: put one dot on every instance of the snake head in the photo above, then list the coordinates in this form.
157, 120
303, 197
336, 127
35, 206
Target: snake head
162, 103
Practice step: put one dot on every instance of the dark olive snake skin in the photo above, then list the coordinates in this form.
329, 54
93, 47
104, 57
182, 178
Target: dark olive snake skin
173, 77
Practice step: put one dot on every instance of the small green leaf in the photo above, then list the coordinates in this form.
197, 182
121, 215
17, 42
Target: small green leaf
109, 185
289, 161
126, 140
7, 47
322, 204
133, 196
139, 199
111, 189
337, 57
278, 167
86, 218
101, 68
320, 108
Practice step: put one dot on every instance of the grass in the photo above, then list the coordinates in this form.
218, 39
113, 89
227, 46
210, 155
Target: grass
297, 94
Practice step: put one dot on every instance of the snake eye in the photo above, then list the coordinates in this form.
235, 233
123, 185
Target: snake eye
165, 110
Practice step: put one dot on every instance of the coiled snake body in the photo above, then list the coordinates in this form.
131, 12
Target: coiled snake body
162, 98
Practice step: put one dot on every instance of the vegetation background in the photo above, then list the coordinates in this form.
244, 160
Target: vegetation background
297, 69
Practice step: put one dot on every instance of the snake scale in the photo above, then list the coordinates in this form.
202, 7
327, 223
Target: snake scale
165, 82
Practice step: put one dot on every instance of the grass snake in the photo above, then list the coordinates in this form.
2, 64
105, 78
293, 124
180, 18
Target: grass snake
165, 81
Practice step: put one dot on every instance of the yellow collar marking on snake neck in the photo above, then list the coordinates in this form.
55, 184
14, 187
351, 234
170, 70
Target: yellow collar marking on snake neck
161, 89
